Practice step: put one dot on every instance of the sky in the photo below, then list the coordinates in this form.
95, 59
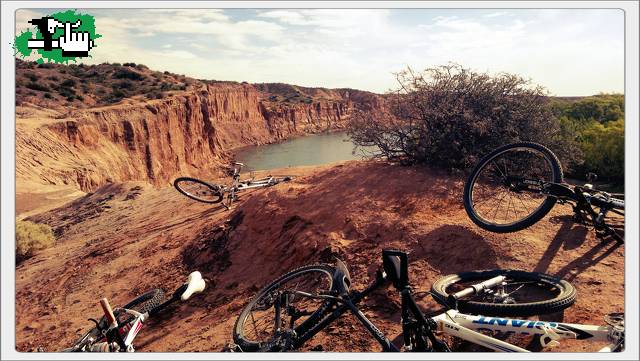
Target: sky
571, 52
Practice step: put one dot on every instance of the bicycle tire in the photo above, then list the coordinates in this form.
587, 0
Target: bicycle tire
532, 218
180, 185
566, 296
146, 302
239, 336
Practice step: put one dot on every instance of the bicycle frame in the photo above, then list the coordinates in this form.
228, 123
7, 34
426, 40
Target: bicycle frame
116, 336
237, 185
418, 328
467, 327
583, 197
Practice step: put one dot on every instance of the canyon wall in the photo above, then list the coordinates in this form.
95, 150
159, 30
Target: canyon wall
189, 133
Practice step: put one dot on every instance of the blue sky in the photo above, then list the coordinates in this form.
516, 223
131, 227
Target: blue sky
570, 52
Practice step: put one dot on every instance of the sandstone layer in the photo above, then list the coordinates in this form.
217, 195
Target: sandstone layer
188, 133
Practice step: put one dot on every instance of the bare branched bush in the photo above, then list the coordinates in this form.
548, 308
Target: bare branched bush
449, 117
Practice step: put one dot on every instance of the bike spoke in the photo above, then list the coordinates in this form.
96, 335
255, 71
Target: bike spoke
499, 196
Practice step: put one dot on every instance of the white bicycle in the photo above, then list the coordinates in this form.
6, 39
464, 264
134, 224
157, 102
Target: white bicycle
117, 329
296, 306
206, 192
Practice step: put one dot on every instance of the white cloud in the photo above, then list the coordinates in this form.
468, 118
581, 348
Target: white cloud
496, 14
570, 52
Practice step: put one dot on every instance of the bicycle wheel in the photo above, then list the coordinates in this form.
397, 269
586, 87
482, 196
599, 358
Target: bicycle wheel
147, 301
257, 326
522, 294
504, 193
198, 190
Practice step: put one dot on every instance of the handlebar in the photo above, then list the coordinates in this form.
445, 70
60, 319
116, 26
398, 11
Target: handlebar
600, 201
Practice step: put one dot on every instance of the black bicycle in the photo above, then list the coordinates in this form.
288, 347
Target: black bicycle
206, 192
117, 329
516, 185
298, 305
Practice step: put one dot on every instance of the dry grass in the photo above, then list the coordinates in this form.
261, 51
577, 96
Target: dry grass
32, 237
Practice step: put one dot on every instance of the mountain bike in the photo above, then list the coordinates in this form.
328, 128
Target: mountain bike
117, 329
205, 192
294, 308
516, 185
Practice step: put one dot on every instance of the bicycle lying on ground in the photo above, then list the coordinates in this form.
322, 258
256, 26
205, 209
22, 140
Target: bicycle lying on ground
516, 185
202, 191
117, 329
298, 305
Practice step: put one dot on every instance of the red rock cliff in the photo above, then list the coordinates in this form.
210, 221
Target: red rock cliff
155, 141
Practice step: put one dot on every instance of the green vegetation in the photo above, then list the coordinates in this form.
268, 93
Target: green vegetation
449, 117
93, 85
597, 125
30, 238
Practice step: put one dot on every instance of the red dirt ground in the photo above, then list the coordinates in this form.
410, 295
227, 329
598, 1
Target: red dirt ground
127, 238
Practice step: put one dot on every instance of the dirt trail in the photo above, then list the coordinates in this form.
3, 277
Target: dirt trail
127, 238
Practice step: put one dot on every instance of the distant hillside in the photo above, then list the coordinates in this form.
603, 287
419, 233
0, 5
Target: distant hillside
85, 86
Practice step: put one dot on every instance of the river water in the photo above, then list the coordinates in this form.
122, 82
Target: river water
301, 151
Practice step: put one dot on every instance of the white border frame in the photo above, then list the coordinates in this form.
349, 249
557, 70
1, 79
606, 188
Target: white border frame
7, 145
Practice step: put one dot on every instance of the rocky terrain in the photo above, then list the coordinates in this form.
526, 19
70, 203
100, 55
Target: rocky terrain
134, 124
124, 239
98, 146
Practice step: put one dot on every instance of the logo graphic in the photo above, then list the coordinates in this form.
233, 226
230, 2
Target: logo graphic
59, 37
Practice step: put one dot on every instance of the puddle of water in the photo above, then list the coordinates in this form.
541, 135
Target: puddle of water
301, 151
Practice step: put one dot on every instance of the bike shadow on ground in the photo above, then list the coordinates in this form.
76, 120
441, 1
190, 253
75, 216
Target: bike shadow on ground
571, 236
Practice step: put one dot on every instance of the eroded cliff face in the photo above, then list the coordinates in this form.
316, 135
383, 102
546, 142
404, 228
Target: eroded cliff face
190, 133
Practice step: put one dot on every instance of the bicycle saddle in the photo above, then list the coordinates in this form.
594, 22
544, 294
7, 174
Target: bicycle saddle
194, 284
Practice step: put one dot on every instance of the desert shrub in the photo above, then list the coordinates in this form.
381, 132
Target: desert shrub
128, 74
32, 237
601, 108
115, 96
603, 147
66, 92
31, 76
48, 95
133, 65
597, 122
53, 77
156, 95
36, 86
68, 83
449, 117
125, 84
